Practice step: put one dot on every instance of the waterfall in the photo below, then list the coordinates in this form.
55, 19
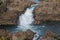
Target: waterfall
27, 17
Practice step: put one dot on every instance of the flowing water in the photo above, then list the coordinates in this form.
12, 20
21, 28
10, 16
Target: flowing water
27, 17
39, 29
25, 21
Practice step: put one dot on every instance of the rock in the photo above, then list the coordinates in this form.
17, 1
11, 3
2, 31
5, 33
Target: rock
19, 5
6, 35
47, 11
27, 35
20, 35
49, 36
52, 0
9, 18
9, 10
3, 7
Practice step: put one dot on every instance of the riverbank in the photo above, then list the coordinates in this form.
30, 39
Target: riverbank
27, 35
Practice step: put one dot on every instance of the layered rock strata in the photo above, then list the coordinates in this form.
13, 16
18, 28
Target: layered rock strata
11, 9
47, 11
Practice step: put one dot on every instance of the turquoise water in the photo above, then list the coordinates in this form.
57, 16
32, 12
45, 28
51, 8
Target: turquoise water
40, 29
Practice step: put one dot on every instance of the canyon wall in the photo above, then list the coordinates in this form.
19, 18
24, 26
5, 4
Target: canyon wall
11, 9
47, 11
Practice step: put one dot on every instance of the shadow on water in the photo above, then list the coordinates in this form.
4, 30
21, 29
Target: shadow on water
40, 29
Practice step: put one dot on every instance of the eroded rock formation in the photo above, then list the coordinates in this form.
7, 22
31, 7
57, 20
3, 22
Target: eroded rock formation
28, 35
47, 11
10, 8
6, 35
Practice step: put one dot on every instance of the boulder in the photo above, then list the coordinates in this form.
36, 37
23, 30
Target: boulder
27, 35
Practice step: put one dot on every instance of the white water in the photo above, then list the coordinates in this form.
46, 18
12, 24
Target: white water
27, 17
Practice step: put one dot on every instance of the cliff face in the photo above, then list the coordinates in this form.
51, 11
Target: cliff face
47, 11
10, 8
19, 5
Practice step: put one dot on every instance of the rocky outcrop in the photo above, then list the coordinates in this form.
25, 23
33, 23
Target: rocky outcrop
47, 11
49, 36
9, 17
9, 10
19, 5
26, 35
3, 7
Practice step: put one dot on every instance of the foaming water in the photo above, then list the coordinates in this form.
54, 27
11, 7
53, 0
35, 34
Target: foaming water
38, 29
27, 17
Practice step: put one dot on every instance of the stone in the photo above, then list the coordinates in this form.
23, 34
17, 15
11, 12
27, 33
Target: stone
27, 35
9, 17
10, 13
47, 11
19, 5
49, 35
10, 10
20, 35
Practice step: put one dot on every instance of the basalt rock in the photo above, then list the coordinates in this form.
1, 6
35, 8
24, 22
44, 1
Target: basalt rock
47, 11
